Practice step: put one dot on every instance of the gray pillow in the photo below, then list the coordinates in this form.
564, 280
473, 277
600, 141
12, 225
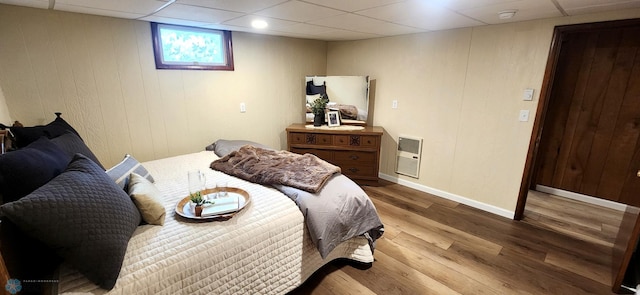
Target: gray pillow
222, 147
84, 216
121, 172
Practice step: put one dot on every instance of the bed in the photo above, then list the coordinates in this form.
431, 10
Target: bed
266, 248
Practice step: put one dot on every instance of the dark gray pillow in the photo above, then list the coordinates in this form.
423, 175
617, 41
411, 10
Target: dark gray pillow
84, 216
121, 172
24, 170
222, 147
72, 144
26, 135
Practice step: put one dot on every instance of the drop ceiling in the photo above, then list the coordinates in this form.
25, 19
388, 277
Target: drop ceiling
331, 20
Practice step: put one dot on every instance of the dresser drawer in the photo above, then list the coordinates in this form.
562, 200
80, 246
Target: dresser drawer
310, 138
355, 157
355, 140
297, 138
326, 155
358, 170
369, 141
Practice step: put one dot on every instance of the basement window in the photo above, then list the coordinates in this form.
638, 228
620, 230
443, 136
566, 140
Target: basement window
190, 48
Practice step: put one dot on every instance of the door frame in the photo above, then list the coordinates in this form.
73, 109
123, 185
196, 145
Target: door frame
545, 95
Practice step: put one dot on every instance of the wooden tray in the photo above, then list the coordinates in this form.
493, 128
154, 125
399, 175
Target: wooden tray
183, 207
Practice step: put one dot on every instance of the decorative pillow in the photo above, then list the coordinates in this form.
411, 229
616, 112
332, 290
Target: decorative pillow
26, 135
222, 147
24, 170
147, 198
121, 172
84, 216
73, 144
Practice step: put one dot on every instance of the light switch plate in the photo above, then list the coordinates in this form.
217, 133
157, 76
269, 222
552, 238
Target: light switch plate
528, 94
524, 116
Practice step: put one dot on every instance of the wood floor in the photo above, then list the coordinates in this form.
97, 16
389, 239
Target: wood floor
435, 246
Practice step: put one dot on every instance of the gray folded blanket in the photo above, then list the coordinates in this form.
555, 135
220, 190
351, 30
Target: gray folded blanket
340, 211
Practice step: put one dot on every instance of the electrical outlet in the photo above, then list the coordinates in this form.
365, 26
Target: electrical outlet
243, 107
394, 104
524, 116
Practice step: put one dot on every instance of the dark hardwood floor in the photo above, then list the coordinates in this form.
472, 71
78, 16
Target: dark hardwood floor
436, 246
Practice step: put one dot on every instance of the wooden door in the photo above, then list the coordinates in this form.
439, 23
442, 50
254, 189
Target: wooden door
590, 141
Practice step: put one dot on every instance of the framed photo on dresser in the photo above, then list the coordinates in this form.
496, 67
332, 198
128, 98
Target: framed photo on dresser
334, 118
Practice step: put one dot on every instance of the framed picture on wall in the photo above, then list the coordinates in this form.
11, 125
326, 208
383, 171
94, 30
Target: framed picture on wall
334, 118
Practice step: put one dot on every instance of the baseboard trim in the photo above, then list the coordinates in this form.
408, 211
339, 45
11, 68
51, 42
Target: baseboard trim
581, 198
453, 197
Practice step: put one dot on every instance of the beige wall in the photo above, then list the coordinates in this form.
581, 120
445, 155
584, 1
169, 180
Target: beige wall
5, 118
461, 90
100, 73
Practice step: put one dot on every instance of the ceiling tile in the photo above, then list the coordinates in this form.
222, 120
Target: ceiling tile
194, 13
245, 21
421, 15
527, 10
43, 4
101, 12
352, 5
143, 7
358, 23
467, 4
175, 21
338, 35
299, 11
574, 7
305, 29
246, 6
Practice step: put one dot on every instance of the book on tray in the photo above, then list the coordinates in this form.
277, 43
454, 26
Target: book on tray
222, 205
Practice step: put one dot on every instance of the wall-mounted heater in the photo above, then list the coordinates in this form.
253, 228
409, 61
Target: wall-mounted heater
408, 156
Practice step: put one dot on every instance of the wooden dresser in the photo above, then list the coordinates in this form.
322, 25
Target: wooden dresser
357, 152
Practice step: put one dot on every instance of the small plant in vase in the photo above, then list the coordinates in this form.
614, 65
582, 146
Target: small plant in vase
318, 107
198, 200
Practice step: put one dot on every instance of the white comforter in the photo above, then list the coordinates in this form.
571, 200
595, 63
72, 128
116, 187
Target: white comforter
263, 249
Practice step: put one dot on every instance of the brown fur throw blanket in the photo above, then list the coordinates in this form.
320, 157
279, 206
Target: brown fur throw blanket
264, 166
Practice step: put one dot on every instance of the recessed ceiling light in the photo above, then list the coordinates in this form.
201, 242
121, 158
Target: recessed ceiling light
259, 24
507, 14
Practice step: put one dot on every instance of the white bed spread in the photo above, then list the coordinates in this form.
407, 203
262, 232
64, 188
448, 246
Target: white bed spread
264, 249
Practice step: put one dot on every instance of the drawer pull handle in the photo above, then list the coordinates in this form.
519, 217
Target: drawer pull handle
354, 157
354, 170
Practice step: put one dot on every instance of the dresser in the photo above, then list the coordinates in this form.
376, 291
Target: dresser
356, 152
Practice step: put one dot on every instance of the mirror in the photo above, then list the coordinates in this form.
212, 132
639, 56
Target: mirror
347, 94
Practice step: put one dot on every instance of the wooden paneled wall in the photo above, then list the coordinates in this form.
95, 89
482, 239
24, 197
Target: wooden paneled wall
100, 73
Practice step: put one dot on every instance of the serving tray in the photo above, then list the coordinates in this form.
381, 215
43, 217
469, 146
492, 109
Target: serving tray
184, 209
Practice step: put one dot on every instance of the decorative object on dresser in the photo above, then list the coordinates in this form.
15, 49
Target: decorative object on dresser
356, 152
318, 107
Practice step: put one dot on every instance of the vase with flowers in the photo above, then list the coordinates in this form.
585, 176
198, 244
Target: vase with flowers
318, 107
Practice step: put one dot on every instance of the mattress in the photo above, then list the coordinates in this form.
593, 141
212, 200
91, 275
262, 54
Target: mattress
265, 248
